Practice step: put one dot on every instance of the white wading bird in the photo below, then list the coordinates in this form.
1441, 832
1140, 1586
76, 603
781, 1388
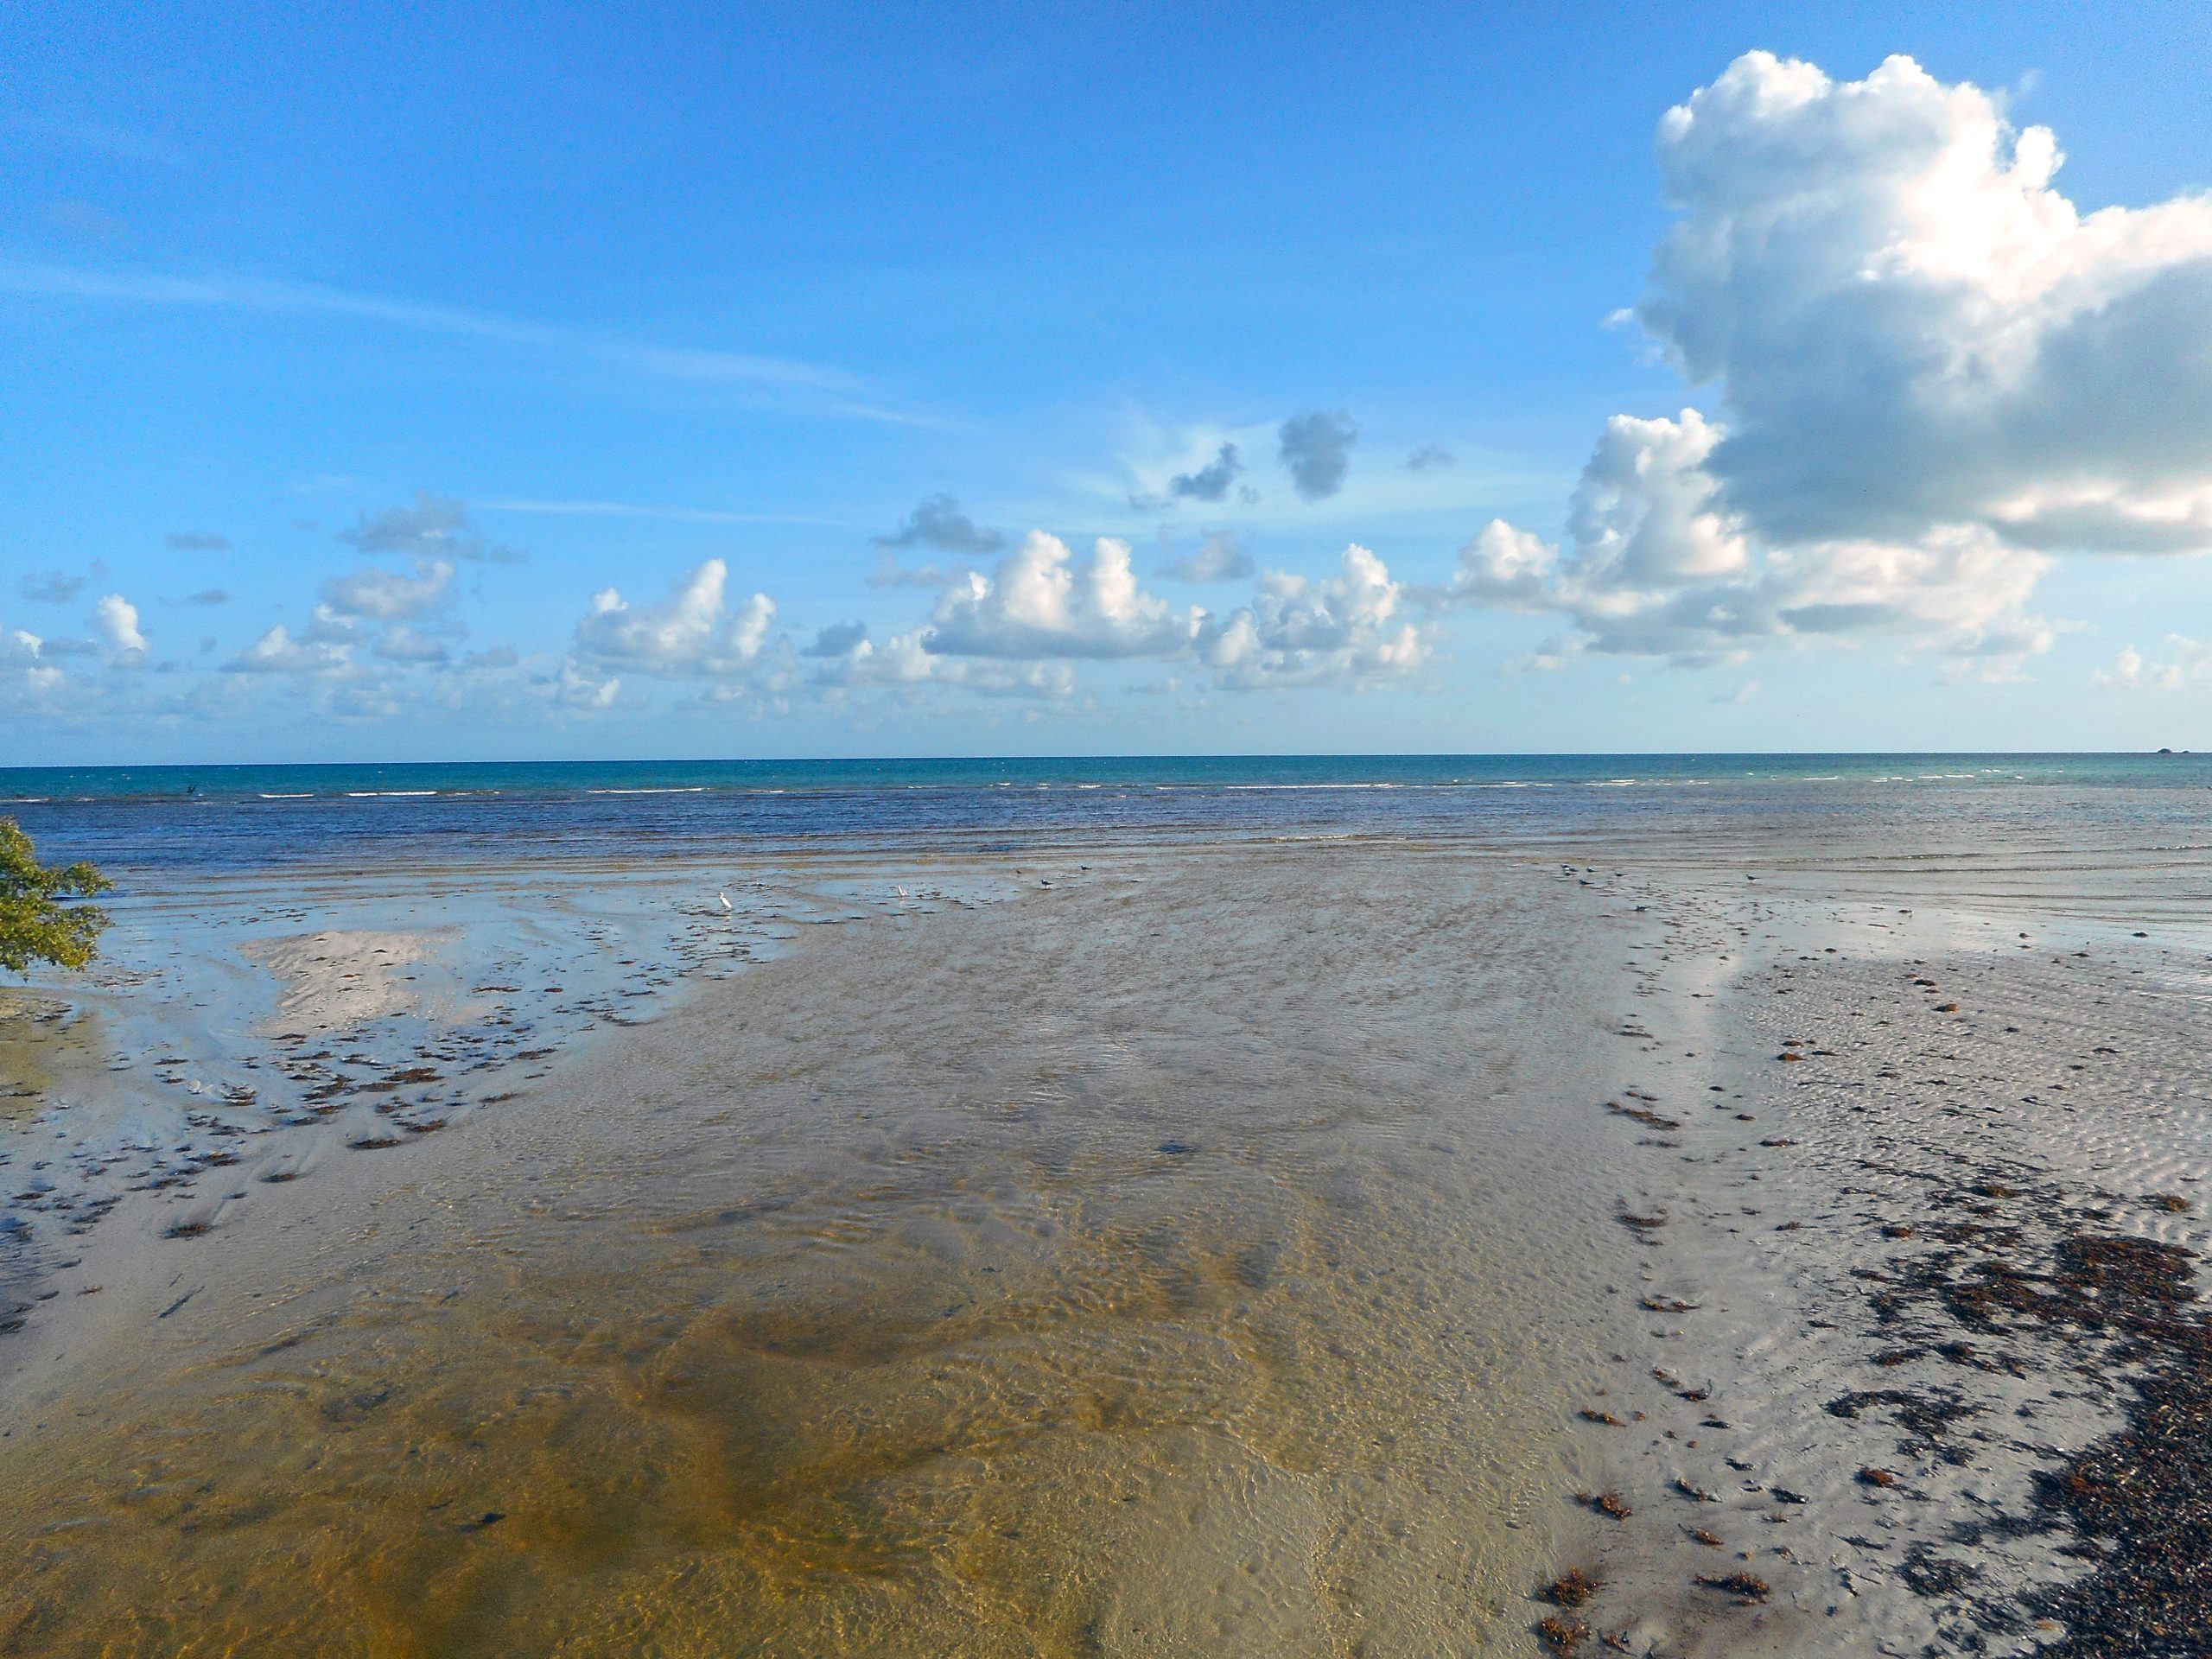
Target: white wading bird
726, 903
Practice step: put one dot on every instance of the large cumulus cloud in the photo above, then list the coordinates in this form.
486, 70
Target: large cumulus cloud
1933, 371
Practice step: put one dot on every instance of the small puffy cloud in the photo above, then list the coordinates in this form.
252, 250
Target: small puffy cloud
52, 588
577, 689
939, 523
1211, 482
837, 639
277, 653
1038, 603
1344, 631
436, 527
1316, 448
1220, 558
117, 620
1429, 458
20, 646
2188, 661
690, 633
383, 596
197, 541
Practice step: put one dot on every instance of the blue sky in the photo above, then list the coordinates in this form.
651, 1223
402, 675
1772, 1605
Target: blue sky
380, 386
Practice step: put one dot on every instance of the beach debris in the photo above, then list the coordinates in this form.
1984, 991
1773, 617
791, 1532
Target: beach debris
1572, 1588
1642, 1114
1563, 1632
1695, 1494
1871, 1476
1607, 1503
2171, 1202
1591, 1415
1706, 1538
1743, 1586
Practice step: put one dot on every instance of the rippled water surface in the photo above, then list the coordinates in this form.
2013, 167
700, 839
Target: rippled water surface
1184, 1258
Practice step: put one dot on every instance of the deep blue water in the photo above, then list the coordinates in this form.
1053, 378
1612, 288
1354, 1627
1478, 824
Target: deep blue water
134, 818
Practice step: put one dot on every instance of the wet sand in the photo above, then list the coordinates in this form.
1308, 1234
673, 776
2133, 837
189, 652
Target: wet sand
1255, 1248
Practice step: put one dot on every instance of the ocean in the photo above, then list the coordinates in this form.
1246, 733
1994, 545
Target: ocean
137, 819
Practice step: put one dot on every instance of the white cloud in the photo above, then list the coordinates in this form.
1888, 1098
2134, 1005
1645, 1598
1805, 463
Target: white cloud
905, 663
389, 596
2189, 662
573, 688
277, 653
1936, 371
1038, 604
1300, 632
1912, 328
117, 619
1656, 564
691, 634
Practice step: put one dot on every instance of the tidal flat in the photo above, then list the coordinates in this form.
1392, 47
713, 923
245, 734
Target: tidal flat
1283, 1245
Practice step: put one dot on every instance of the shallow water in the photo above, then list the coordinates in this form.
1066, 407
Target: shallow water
1187, 1258
1145, 1248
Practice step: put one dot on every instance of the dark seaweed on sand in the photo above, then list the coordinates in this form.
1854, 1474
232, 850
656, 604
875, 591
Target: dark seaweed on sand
2138, 1503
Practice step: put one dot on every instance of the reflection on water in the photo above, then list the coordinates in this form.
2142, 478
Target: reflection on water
1189, 1259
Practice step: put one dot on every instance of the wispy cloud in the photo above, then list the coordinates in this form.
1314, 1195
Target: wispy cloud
806, 386
100, 138
649, 510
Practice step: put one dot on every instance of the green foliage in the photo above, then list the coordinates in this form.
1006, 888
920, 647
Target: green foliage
37, 923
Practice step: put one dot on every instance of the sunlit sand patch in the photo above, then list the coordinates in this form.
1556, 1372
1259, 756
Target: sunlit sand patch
338, 979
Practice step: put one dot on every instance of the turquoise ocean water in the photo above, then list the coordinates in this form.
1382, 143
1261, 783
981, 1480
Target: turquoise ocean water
147, 817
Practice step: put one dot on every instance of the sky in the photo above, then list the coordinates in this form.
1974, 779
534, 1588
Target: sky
811, 379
